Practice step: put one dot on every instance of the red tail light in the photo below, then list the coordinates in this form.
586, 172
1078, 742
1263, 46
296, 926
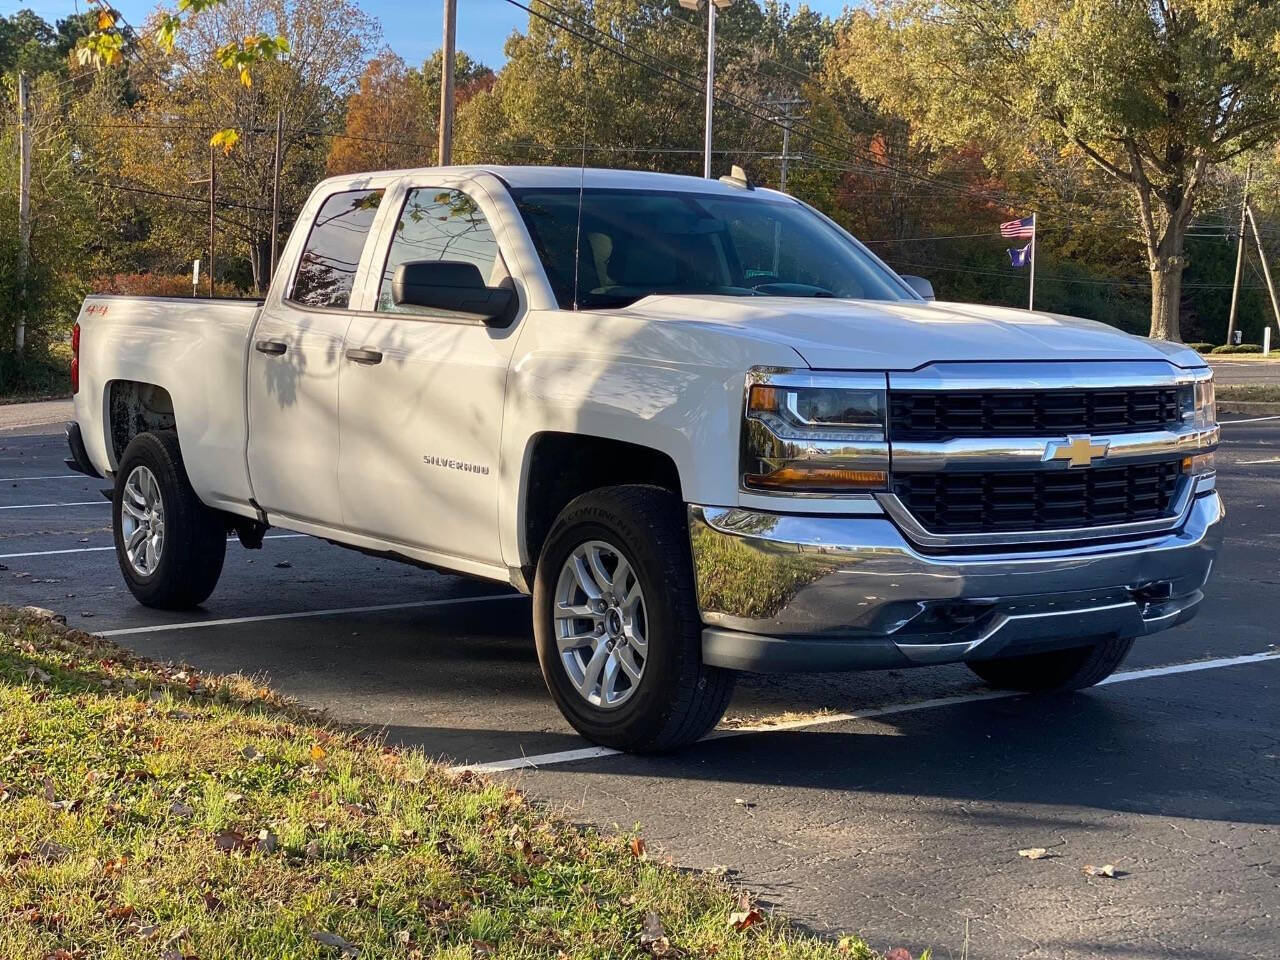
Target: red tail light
75, 358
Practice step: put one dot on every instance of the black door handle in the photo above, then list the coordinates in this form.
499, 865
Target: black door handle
364, 355
272, 348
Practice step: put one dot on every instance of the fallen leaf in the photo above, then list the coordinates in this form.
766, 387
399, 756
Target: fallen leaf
114, 866
638, 849
1033, 853
897, 953
333, 940
212, 902
180, 809
312, 850
741, 919
741, 802
482, 948
317, 752
233, 797
50, 851
250, 753
229, 841
267, 842
653, 938
1106, 870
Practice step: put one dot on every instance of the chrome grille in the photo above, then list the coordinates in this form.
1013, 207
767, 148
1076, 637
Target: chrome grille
939, 415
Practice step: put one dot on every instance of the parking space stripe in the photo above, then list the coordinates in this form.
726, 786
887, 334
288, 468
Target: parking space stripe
54, 553
1251, 420
37, 506
60, 476
1128, 676
302, 614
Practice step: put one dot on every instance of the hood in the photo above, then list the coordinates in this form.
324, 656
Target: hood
905, 335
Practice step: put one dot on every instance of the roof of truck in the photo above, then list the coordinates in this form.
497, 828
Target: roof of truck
518, 177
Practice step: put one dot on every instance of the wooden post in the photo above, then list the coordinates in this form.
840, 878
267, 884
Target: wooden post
1266, 268
213, 190
446, 82
1235, 285
275, 195
24, 210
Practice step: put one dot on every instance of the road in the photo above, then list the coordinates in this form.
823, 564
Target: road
891, 804
1246, 372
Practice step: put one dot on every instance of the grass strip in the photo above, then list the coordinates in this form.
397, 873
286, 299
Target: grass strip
150, 811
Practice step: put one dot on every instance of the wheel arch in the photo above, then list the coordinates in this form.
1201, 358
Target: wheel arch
134, 407
560, 466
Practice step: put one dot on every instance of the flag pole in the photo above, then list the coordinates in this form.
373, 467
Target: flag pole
1031, 299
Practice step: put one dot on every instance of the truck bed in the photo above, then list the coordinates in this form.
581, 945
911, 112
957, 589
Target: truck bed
194, 350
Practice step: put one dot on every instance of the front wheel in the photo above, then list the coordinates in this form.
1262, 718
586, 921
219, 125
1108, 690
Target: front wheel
169, 544
617, 626
1057, 670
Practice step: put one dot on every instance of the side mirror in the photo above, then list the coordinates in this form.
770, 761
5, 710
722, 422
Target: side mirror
920, 285
452, 286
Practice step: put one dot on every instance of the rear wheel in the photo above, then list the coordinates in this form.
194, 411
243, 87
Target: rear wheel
1057, 670
617, 625
170, 545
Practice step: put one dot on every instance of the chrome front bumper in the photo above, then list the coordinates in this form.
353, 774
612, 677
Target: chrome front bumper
795, 592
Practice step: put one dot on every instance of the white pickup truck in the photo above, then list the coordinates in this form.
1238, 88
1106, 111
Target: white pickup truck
704, 426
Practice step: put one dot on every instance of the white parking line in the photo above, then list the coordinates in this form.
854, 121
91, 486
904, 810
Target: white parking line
54, 553
37, 506
589, 753
1251, 420
60, 476
335, 611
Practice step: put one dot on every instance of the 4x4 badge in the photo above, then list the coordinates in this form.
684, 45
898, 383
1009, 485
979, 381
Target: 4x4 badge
1078, 450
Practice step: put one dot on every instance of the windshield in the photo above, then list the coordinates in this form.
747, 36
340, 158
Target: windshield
635, 243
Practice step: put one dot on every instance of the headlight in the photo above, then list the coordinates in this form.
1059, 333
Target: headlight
815, 433
1199, 409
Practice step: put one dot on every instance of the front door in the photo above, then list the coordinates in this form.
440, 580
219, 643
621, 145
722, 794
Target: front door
295, 359
423, 392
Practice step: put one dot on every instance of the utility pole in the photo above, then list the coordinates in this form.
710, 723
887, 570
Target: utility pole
446, 82
1266, 269
1031, 294
1235, 286
213, 192
785, 118
275, 195
712, 5
24, 210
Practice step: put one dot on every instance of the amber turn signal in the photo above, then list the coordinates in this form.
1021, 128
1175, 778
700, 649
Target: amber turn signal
829, 479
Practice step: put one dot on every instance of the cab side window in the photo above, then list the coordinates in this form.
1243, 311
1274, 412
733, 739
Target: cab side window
327, 269
440, 224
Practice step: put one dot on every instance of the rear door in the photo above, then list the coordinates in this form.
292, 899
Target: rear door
295, 358
422, 395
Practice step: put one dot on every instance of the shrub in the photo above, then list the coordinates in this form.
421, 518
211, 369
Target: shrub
158, 285
1238, 348
1201, 347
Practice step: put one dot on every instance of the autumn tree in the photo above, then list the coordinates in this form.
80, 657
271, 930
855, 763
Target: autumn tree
387, 125
1156, 93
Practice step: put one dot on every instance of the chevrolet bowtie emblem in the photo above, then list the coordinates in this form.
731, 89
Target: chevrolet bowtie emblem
1078, 451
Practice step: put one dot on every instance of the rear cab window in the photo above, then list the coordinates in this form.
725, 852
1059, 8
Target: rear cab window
327, 268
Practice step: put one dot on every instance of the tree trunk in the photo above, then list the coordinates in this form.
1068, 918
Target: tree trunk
1166, 298
1167, 259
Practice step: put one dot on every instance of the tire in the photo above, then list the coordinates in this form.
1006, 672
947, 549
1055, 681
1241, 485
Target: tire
186, 561
677, 698
1056, 671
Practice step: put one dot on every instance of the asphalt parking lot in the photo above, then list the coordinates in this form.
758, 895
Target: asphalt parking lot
890, 804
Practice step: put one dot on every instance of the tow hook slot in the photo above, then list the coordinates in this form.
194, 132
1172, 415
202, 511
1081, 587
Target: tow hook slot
1155, 592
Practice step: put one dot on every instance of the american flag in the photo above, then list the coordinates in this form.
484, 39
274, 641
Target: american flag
1026, 227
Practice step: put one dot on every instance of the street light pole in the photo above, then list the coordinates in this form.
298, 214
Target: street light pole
711, 73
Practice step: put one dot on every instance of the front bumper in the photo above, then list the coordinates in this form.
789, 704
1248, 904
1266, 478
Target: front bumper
795, 592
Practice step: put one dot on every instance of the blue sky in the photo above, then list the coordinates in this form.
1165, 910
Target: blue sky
411, 29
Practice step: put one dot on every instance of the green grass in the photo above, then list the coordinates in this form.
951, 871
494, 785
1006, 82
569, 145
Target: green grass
1250, 393
148, 811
